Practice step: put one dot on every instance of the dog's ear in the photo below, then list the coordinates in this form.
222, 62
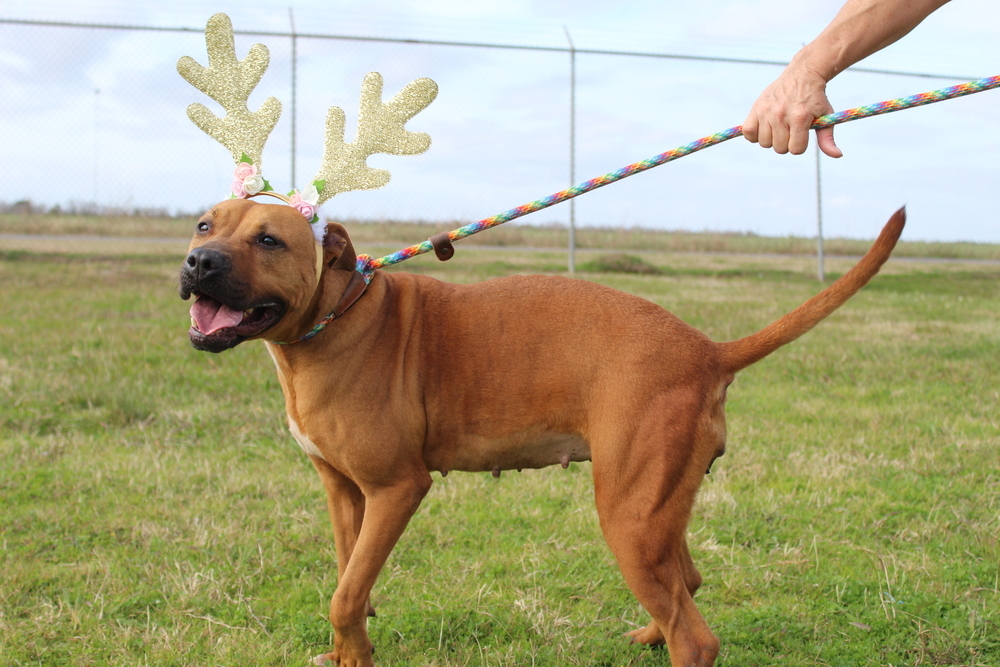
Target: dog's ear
338, 251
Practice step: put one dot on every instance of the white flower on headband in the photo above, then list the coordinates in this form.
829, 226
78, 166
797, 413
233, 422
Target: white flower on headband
306, 202
253, 184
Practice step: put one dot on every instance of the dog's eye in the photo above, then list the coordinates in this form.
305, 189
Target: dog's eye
269, 241
203, 227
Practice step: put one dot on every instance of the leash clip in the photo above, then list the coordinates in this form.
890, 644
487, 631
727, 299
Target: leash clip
442, 246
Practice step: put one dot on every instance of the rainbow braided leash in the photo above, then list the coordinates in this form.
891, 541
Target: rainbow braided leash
368, 265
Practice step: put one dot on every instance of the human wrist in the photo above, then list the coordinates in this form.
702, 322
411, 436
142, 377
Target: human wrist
807, 64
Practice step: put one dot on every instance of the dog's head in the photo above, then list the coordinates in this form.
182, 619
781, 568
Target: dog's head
254, 270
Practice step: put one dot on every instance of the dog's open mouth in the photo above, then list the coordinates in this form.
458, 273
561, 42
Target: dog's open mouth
216, 326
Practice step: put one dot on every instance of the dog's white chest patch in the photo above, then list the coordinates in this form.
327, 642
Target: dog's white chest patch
307, 445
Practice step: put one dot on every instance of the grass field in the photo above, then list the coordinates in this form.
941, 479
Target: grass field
155, 511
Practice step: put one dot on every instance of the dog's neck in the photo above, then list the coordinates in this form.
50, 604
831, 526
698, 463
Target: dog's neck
356, 287
337, 291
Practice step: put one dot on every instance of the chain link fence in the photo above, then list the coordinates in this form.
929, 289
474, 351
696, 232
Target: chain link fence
92, 119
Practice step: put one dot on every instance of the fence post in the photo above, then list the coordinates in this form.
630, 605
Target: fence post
572, 151
295, 63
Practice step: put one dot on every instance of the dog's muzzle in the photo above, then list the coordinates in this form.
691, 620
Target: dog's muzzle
224, 314
202, 268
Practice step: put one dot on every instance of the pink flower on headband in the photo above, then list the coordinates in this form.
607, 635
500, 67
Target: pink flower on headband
305, 202
307, 210
246, 181
244, 169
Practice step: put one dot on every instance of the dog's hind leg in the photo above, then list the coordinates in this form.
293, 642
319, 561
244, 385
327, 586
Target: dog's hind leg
644, 498
692, 577
346, 505
651, 558
651, 635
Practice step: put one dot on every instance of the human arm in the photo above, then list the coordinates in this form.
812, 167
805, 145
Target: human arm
781, 116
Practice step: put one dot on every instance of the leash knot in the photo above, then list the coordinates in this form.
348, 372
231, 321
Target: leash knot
366, 267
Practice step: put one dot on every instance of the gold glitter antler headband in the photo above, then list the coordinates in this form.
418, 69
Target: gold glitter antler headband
380, 130
230, 81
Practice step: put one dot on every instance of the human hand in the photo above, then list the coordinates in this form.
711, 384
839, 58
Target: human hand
781, 116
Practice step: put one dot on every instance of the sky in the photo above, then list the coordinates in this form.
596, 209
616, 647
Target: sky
91, 115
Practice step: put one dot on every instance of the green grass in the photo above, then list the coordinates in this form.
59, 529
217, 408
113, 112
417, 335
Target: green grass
154, 510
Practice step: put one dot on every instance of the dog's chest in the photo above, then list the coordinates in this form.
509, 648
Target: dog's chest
307, 445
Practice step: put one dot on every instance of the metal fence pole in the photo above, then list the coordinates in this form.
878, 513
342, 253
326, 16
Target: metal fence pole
572, 151
295, 63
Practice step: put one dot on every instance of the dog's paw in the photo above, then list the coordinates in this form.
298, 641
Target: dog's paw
333, 660
649, 635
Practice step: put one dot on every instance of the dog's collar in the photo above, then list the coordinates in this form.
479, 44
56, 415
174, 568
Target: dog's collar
355, 288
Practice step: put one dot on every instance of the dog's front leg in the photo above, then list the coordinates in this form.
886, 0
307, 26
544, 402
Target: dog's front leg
387, 510
346, 505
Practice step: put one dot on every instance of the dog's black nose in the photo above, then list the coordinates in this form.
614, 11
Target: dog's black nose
205, 264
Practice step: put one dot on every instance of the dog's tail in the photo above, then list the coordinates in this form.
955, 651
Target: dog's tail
739, 354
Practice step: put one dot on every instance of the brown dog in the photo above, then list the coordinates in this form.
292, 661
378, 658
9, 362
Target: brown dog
520, 372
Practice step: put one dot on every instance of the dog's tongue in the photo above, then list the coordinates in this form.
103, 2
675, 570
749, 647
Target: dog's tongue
209, 315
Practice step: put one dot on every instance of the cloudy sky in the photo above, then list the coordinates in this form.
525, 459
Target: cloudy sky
89, 114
